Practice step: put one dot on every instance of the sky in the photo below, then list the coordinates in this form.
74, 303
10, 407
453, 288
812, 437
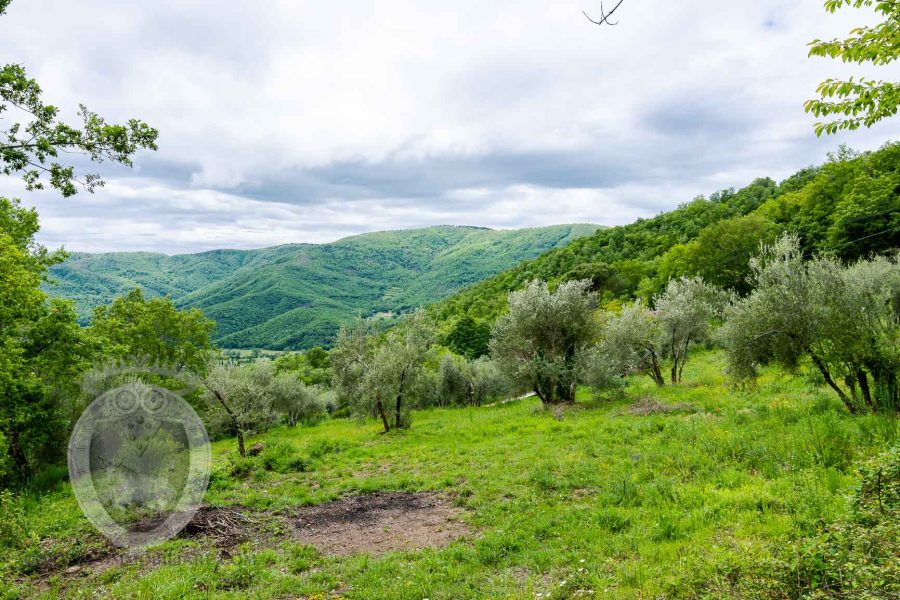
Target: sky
286, 121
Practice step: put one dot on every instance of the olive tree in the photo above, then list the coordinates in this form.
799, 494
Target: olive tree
632, 340
295, 400
460, 382
351, 361
538, 342
43, 351
843, 319
244, 394
382, 377
452, 386
488, 382
685, 311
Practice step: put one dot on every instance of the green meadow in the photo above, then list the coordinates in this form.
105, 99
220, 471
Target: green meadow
688, 491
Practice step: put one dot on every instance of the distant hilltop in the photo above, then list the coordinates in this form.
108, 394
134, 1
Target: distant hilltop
296, 296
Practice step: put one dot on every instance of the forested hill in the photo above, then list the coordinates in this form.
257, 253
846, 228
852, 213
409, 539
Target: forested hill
849, 206
295, 296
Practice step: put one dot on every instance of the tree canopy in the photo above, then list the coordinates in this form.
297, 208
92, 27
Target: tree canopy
858, 101
42, 348
31, 147
134, 326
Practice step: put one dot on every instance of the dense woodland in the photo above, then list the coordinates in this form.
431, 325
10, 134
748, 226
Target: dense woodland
848, 206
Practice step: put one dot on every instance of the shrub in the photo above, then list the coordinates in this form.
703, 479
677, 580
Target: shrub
13, 522
857, 557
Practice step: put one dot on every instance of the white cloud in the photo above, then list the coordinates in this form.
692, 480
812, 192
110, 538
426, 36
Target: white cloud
285, 121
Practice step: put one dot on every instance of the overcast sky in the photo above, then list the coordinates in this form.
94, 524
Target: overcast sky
306, 121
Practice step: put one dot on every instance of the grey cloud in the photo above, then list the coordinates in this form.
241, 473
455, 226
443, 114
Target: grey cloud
436, 176
286, 121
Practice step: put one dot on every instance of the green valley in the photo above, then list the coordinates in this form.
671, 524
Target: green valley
296, 296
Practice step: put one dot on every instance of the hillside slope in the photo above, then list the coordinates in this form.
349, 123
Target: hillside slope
295, 296
849, 206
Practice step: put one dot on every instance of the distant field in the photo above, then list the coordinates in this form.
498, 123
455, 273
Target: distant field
679, 492
249, 355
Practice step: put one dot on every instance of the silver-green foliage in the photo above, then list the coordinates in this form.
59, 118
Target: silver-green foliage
632, 341
460, 382
295, 401
685, 311
638, 338
250, 398
240, 397
539, 343
845, 319
383, 377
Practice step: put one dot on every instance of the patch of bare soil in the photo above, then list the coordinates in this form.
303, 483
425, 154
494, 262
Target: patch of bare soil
650, 406
380, 522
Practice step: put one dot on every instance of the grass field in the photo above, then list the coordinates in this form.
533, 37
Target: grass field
685, 494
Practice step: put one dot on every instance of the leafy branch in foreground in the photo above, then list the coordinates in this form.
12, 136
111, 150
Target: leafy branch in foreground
858, 101
31, 147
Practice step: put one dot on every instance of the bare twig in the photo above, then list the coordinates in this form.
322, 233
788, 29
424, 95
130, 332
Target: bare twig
604, 16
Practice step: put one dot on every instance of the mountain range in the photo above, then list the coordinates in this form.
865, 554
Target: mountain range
295, 296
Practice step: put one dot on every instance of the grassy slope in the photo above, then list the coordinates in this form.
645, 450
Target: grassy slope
296, 295
675, 505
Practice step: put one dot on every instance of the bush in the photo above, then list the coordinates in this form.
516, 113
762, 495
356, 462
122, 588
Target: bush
13, 522
277, 457
857, 557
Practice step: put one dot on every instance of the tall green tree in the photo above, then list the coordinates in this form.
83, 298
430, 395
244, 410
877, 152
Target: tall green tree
311, 367
30, 145
154, 329
42, 349
858, 101
469, 337
720, 253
